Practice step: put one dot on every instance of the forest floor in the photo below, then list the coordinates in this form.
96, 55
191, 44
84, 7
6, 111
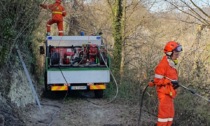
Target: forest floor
77, 110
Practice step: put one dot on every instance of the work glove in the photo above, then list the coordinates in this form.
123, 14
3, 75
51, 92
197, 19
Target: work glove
151, 83
175, 84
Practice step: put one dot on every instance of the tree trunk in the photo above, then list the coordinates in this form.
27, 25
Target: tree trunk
123, 41
117, 29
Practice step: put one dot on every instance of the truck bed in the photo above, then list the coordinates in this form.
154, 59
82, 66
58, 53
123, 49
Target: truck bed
78, 75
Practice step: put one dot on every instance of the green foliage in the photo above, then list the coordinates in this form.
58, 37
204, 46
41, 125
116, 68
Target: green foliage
191, 110
17, 21
6, 37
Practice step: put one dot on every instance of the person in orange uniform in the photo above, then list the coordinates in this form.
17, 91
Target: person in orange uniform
166, 83
58, 12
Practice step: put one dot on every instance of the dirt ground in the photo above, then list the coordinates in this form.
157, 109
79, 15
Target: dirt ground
81, 111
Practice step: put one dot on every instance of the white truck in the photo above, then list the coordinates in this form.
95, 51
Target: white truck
76, 63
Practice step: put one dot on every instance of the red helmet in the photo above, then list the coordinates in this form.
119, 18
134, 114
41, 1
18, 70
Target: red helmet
172, 46
58, 1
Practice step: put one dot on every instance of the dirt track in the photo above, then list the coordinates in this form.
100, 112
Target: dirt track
77, 111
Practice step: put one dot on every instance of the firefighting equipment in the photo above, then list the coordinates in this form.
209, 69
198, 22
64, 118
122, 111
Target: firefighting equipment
193, 92
55, 57
141, 104
175, 84
58, 12
172, 46
190, 90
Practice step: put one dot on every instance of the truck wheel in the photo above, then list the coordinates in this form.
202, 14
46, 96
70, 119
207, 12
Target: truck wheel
45, 81
99, 93
46, 91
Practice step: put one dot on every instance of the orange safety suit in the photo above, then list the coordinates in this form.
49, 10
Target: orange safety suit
165, 72
58, 12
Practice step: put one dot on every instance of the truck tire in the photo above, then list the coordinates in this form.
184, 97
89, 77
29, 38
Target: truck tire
46, 86
99, 93
45, 81
46, 92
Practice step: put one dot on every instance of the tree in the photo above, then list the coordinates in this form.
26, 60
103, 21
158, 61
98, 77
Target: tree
117, 11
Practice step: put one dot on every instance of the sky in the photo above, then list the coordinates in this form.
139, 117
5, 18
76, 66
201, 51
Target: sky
161, 5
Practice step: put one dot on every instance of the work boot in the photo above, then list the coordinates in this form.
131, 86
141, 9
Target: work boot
48, 34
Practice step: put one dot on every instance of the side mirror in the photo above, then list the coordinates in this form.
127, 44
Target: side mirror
41, 50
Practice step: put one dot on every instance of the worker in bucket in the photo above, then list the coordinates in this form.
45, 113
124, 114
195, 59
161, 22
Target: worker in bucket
166, 83
58, 12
